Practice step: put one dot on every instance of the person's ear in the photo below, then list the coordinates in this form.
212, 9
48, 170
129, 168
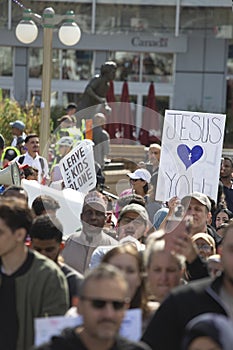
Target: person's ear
147, 227
20, 234
62, 245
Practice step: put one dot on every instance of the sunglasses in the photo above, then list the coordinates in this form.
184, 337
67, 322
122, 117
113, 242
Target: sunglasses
100, 304
135, 180
205, 247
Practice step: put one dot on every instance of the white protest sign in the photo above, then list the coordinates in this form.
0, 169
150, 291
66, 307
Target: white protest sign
191, 154
78, 167
46, 327
131, 327
70, 201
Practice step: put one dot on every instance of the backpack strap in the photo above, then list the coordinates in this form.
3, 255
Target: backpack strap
41, 160
21, 159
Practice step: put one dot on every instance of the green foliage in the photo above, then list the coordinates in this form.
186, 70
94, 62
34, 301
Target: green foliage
10, 111
56, 112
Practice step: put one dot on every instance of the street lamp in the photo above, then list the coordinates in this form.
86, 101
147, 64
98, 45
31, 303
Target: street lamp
69, 34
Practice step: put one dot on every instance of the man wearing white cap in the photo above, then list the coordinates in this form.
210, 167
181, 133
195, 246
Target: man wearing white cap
80, 245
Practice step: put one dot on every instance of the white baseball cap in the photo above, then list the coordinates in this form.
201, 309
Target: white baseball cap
65, 141
142, 174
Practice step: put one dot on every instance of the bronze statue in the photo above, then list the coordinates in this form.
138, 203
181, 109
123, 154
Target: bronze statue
94, 96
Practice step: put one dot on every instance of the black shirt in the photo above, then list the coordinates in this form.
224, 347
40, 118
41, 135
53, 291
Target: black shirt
8, 314
74, 279
70, 340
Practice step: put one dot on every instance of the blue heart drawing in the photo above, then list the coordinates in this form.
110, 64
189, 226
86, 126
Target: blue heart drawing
189, 156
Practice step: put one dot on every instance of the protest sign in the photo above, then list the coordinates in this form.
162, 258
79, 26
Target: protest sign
70, 201
46, 327
78, 167
191, 154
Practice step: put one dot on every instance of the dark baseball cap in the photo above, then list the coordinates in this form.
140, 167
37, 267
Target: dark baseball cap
18, 124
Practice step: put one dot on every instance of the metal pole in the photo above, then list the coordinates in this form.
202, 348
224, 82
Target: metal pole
46, 91
177, 25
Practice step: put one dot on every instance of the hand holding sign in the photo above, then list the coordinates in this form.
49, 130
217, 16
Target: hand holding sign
78, 167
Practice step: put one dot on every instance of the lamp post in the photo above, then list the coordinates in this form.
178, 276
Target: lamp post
69, 34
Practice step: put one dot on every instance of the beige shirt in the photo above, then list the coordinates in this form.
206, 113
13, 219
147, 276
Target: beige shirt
78, 250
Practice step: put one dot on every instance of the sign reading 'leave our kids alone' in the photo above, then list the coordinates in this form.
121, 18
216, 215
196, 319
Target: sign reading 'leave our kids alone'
78, 167
191, 154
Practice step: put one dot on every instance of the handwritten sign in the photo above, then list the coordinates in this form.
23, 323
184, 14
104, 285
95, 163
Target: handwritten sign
45, 328
70, 201
78, 167
191, 154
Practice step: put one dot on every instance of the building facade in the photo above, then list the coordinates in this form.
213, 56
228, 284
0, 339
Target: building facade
183, 46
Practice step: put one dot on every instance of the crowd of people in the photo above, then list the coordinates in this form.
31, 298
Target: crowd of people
129, 253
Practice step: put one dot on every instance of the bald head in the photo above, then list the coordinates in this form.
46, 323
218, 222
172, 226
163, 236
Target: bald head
154, 152
99, 119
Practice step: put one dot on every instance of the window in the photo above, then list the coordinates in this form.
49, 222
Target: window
121, 18
36, 63
6, 61
76, 65
157, 67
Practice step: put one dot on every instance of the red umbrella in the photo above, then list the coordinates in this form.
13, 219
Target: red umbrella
112, 124
126, 115
150, 131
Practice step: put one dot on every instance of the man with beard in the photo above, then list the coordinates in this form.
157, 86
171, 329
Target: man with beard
103, 302
191, 300
32, 158
80, 245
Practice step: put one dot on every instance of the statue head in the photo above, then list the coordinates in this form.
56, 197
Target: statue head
109, 69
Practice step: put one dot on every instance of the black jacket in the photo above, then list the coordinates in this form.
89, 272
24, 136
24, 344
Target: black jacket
69, 340
165, 331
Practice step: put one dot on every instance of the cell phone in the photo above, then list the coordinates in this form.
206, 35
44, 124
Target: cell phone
178, 226
175, 226
188, 224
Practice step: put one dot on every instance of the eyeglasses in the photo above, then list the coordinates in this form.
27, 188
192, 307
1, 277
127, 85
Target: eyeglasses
126, 220
100, 303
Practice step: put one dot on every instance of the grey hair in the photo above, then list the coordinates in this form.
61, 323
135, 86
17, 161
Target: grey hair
159, 246
102, 272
